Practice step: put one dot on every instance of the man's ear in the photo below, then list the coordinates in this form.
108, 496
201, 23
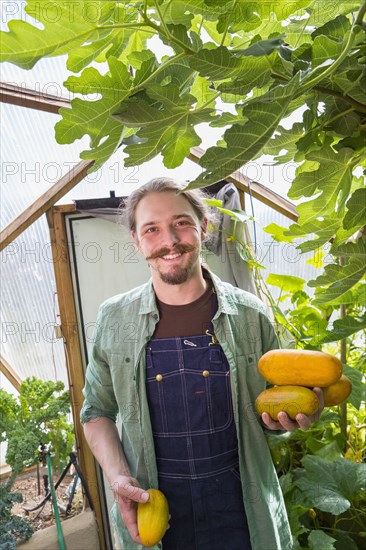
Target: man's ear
204, 224
134, 236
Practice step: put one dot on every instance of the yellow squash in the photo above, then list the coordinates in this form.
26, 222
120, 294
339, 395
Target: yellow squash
338, 392
295, 367
152, 518
290, 399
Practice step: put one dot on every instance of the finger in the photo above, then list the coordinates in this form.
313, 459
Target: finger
303, 421
286, 423
320, 395
129, 518
270, 423
137, 494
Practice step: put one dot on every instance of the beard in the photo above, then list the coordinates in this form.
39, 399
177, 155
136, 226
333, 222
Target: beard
177, 274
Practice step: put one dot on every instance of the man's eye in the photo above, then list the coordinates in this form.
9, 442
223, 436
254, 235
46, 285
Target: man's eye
150, 230
183, 222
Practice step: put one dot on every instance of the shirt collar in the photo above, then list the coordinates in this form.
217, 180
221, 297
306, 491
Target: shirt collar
225, 300
148, 301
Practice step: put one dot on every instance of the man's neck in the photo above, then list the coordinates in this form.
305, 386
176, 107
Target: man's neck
179, 295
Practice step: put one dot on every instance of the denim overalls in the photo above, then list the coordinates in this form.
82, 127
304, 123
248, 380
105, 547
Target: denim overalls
188, 390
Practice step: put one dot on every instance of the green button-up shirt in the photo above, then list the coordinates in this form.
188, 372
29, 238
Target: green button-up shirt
115, 385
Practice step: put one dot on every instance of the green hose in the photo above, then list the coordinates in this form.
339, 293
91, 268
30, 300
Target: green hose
60, 535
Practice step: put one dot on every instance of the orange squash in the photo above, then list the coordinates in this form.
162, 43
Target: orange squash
338, 392
295, 367
153, 518
290, 399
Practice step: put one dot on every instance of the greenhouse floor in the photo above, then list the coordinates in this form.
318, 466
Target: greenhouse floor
43, 517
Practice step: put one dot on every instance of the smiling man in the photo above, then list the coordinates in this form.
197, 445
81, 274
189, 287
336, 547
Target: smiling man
184, 385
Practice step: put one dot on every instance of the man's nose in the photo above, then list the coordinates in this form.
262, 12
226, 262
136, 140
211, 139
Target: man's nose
170, 237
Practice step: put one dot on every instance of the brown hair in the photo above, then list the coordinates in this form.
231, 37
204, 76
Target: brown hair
159, 185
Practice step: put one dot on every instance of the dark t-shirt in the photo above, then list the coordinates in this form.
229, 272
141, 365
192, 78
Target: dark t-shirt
188, 320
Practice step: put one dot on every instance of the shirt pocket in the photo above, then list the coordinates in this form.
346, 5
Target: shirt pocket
124, 385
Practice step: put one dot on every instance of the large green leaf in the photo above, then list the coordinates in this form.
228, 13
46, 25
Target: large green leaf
169, 130
318, 540
356, 215
335, 28
351, 249
247, 15
244, 142
93, 117
331, 486
284, 140
110, 42
352, 85
358, 394
337, 280
278, 233
344, 541
342, 328
220, 63
333, 179
325, 48
287, 283
67, 25
261, 48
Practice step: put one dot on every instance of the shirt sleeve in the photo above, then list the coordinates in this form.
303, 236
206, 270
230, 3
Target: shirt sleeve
269, 341
268, 334
99, 396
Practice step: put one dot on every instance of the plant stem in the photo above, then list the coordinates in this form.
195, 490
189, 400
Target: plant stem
227, 25
162, 22
361, 13
162, 29
135, 25
330, 69
161, 68
208, 102
339, 115
323, 90
343, 353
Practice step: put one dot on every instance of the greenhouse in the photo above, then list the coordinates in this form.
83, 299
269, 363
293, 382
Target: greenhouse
183, 253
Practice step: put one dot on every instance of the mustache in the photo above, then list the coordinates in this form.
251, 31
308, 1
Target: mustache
178, 249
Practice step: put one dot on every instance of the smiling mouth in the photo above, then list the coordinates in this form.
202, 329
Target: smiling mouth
171, 256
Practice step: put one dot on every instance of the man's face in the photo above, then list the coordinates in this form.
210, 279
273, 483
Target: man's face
169, 235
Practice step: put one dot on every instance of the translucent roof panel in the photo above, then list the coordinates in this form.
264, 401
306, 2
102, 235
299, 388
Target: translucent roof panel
277, 257
29, 307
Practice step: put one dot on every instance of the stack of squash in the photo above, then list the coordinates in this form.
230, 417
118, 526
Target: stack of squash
294, 373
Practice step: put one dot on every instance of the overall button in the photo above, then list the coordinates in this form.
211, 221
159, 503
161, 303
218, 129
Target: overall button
159, 377
206, 373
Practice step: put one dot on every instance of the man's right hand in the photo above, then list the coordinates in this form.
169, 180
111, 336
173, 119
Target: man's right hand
127, 493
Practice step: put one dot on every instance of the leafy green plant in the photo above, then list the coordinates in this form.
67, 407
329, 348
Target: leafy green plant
324, 489
264, 58
325, 511
38, 414
11, 526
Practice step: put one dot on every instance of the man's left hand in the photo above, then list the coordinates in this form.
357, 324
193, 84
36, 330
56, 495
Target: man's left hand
302, 421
